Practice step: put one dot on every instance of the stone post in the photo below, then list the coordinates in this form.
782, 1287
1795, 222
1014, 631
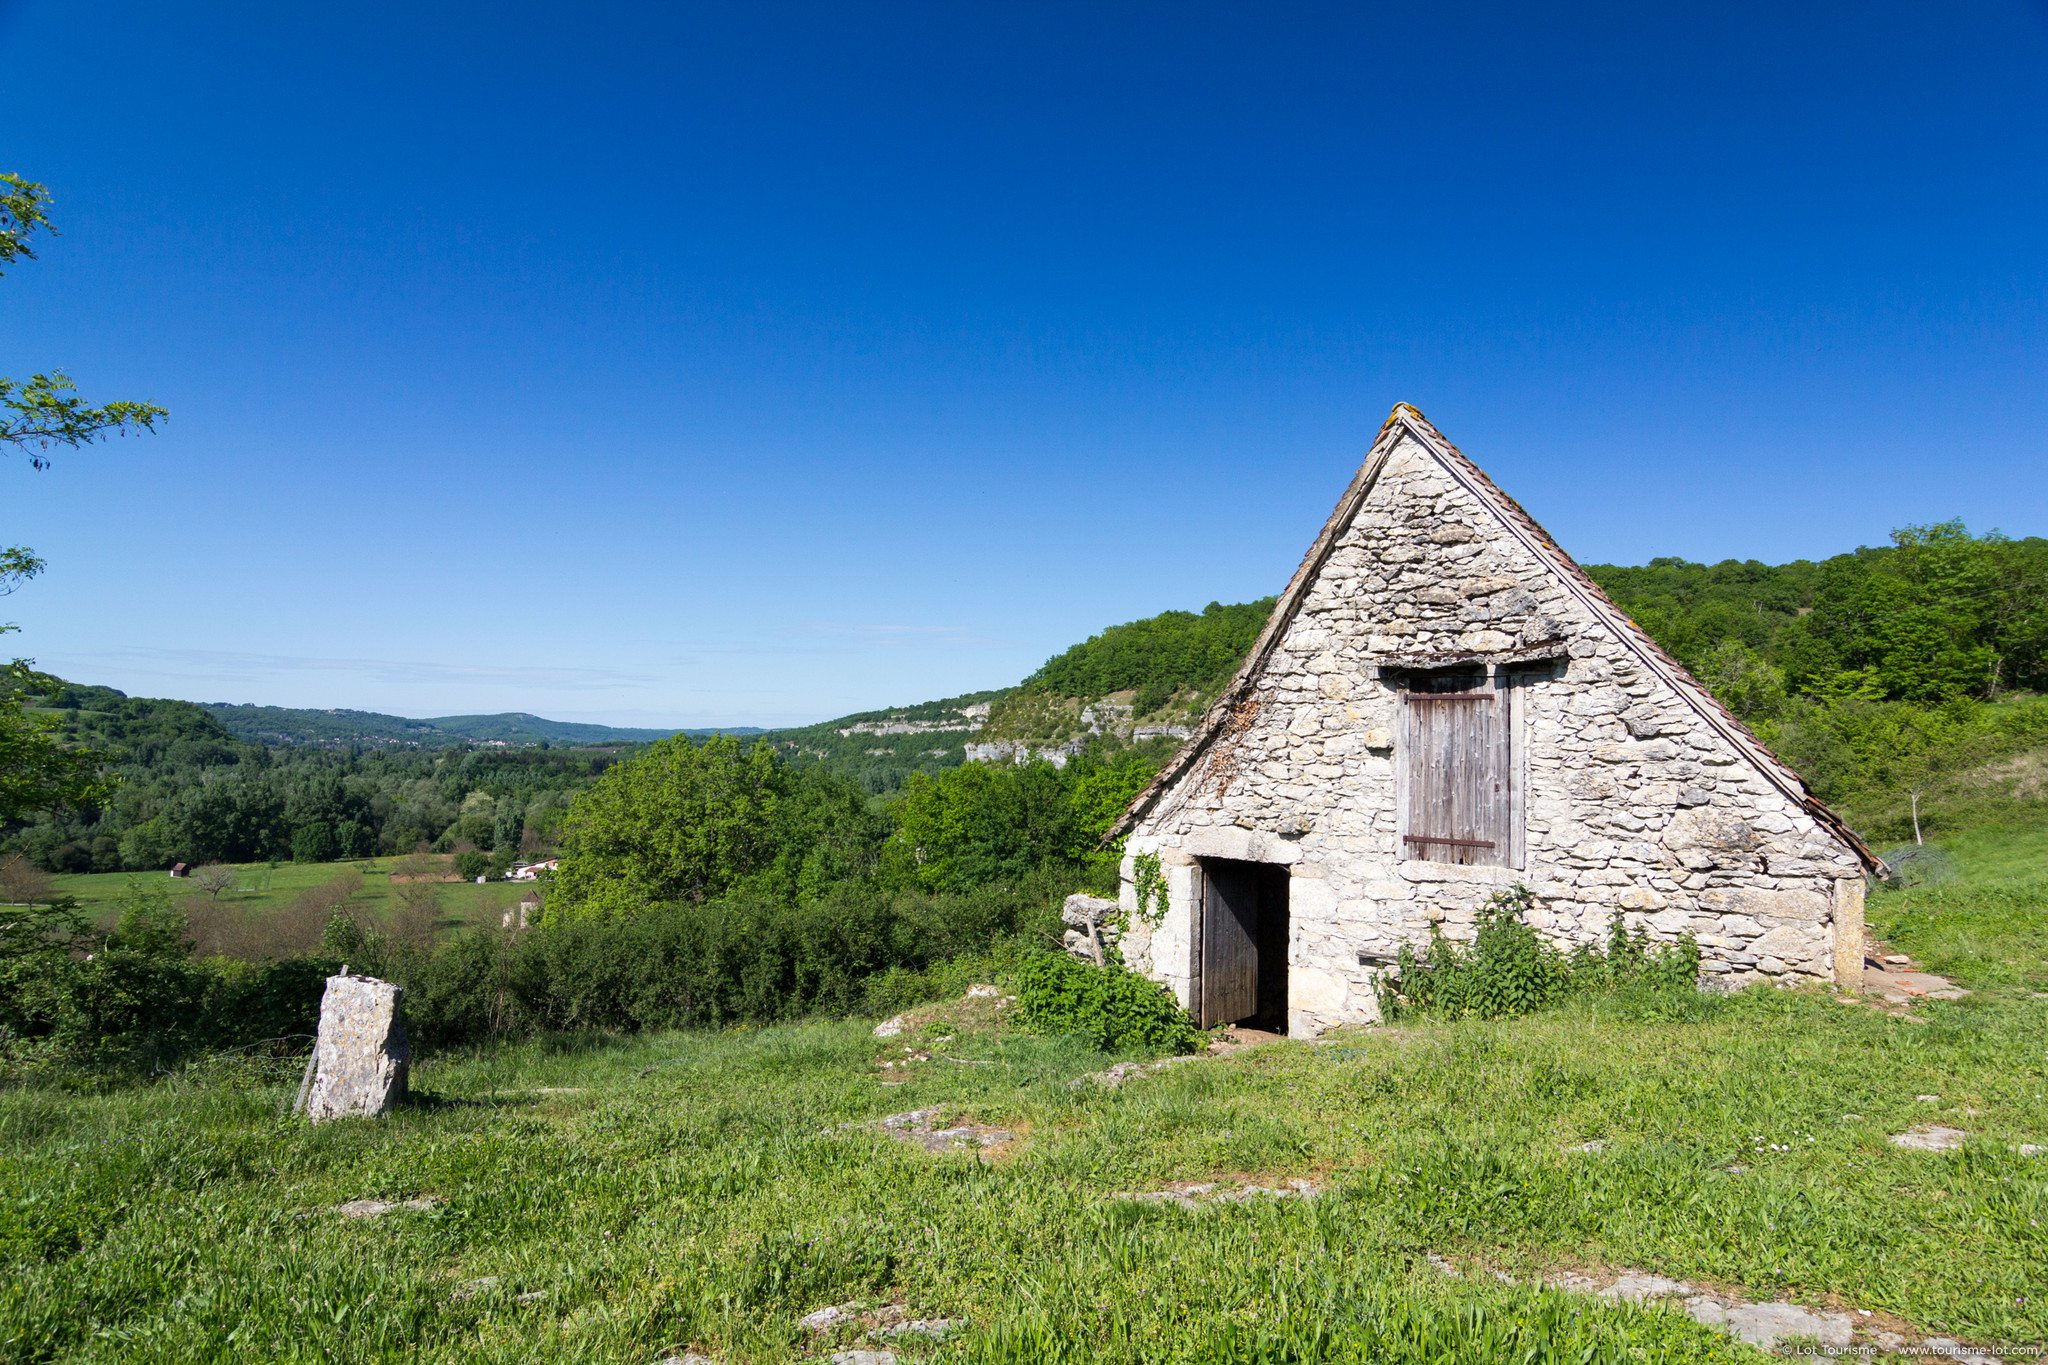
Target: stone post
359, 1062
1848, 918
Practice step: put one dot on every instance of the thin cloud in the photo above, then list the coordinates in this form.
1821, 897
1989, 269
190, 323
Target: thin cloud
226, 664
844, 637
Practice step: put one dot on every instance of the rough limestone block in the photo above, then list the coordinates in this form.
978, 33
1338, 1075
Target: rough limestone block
359, 1062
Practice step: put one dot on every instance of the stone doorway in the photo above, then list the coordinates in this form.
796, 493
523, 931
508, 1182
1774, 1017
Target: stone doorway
1241, 977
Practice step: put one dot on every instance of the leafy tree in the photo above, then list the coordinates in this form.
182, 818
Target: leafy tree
1942, 614
37, 772
985, 824
44, 410
682, 822
988, 824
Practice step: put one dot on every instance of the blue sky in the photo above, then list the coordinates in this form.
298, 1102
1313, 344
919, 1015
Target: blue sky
754, 363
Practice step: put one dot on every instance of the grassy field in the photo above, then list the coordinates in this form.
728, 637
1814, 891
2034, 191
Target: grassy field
264, 887
623, 1200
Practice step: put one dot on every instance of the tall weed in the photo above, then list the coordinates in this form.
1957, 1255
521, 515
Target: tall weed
1508, 969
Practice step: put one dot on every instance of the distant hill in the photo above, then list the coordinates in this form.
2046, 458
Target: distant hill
881, 749
330, 729
1142, 682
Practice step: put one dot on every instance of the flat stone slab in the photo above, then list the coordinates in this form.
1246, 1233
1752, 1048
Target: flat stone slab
1636, 1288
377, 1208
1928, 1137
1770, 1324
1904, 987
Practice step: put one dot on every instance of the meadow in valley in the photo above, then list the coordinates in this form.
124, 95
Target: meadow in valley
637, 1197
659, 1123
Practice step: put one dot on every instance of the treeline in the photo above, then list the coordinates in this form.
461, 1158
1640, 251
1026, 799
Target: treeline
690, 821
186, 790
1895, 678
703, 883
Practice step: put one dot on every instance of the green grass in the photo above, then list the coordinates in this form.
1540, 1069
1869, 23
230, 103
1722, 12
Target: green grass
1988, 928
704, 1190
271, 887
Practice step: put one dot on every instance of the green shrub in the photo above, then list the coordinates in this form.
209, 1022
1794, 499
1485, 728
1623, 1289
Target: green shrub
135, 1000
1508, 970
1116, 1009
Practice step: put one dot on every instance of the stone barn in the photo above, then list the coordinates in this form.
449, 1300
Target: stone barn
1443, 705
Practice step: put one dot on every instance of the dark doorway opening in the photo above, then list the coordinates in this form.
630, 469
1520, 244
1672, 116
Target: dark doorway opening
1244, 937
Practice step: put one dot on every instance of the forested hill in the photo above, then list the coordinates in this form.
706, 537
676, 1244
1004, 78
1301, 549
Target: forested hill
1889, 676
341, 729
1894, 678
1148, 678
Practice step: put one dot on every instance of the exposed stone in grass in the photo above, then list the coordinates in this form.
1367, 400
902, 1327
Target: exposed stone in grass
1928, 1137
1124, 1071
825, 1319
1766, 1325
377, 1208
1903, 987
920, 1327
1769, 1324
889, 1028
858, 1357
919, 1128
688, 1358
474, 1287
1197, 1194
1591, 1145
1636, 1288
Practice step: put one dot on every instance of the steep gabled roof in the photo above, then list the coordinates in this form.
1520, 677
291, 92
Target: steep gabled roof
1408, 421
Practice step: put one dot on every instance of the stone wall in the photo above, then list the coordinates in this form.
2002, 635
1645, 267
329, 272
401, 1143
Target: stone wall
1631, 799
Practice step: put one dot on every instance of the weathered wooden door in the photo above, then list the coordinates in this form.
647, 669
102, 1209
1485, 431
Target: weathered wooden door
1456, 766
1230, 935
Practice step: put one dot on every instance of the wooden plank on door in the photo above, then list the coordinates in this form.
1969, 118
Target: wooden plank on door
1230, 954
1458, 799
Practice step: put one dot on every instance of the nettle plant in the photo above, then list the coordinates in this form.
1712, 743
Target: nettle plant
1508, 969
